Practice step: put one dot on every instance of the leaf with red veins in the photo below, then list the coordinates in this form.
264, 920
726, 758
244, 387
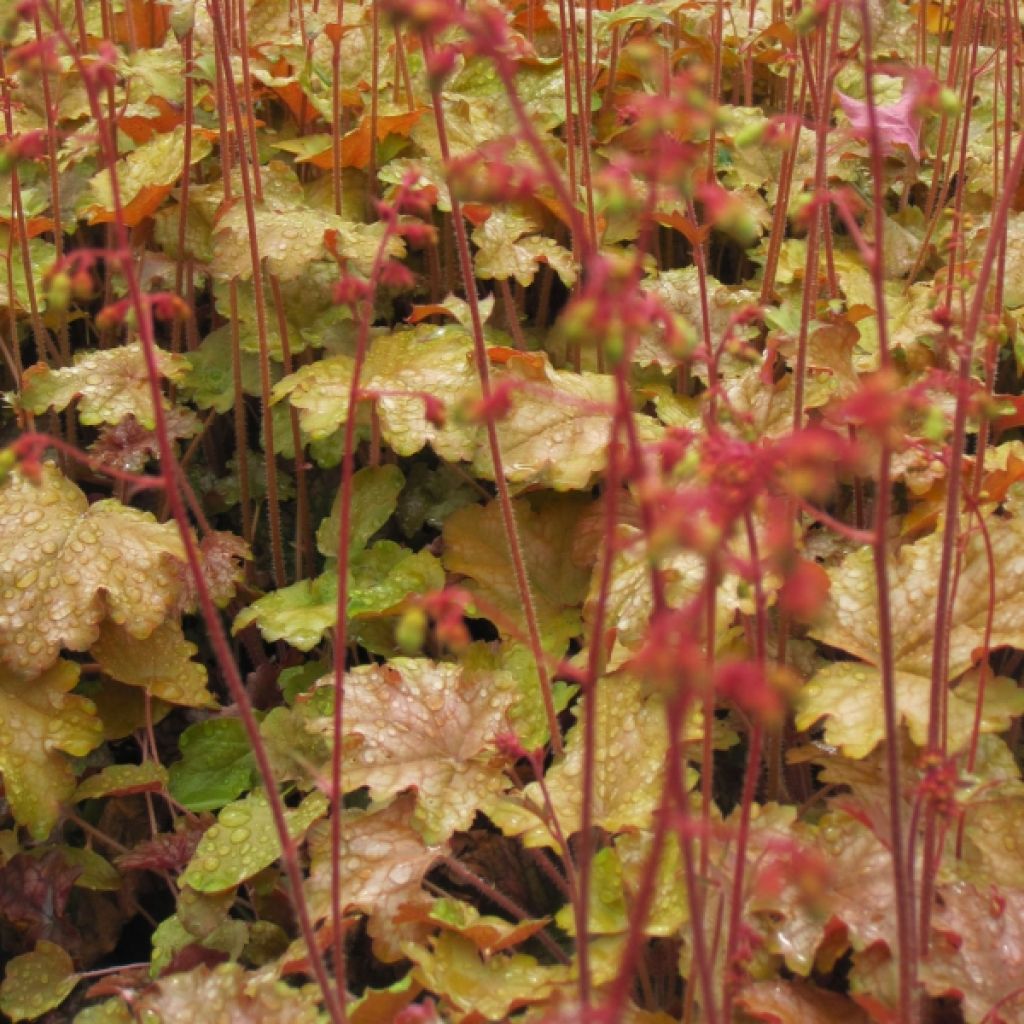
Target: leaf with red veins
796, 1002
383, 862
898, 123
417, 724
977, 954
222, 557
128, 445
166, 851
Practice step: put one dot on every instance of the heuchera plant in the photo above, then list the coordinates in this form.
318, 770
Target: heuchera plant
511, 510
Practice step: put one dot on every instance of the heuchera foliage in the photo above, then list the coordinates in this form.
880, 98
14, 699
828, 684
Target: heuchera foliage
511, 510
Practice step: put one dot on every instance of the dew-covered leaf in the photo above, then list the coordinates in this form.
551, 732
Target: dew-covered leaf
380, 579
510, 245
384, 860
227, 993
160, 663
123, 780
40, 722
145, 176
491, 988
66, 565
977, 952
850, 617
849, 695
243, 841
558, 428
36, 982
630, 743
109, 385
216, 765
417, 724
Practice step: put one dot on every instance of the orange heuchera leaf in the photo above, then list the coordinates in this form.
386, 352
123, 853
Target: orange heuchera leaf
417, 724
66, 565
355, 145
144, 23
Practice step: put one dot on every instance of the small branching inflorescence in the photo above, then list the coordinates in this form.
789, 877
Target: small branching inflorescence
511, 510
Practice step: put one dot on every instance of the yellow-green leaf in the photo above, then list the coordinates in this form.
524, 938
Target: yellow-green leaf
36, 982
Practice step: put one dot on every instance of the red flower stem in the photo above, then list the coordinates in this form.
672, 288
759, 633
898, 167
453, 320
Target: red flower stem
906, 951
494, 445
171, 475
250, 194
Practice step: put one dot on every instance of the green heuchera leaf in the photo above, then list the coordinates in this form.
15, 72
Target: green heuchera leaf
95, 872
40, 722
380, 579
209, 381
160, 663
475, 546
110, 1011
608, 914
41, 258
123, 780
375, 491
216, 764
171, 935
431, 496
243, 841
109, 384
66, 565
36, 982
430, 726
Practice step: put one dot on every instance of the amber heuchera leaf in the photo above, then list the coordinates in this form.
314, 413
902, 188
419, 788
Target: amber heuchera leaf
475, 546
490, 989
631, 739
428, 726
851, 692
66, 565
228, 993
384, 860
145, 176
160, 663
849, 695
36, 982
850, 617
40, 722
109, 384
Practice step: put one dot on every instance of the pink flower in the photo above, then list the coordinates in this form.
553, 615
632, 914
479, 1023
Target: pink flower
898, 123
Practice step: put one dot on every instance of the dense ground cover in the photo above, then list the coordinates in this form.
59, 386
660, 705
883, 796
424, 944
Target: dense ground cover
511, 511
